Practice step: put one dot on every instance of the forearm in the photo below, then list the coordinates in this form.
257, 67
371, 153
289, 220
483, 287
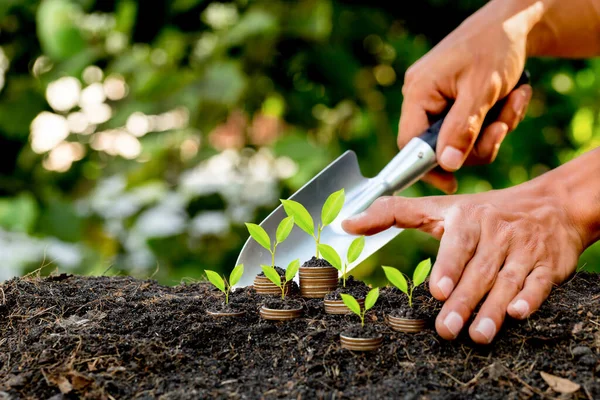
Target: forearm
569, 29
576, 184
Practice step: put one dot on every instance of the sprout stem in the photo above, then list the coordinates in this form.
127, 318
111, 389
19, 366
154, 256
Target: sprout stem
410, 296
319, 228
273, 256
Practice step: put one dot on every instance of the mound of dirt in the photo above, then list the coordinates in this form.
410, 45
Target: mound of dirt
119, 337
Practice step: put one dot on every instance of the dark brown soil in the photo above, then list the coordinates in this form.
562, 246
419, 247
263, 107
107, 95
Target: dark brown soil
355, 288
279, 270
315, 262
424, 306
357, 331
286, 304
122, 338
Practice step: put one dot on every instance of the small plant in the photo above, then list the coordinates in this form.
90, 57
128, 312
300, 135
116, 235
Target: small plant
329, 254
397, 278
274, 277
331, 209
262, 237
225, 285
353, 305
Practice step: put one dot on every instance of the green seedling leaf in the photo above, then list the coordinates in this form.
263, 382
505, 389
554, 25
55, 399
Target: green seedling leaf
260, 235
371, 298
421, 272
236, 274
351, 303
330, 255
301, 216
292, 270
332, 207
284, 229
356, 247
215, 279
271, 274
396, 278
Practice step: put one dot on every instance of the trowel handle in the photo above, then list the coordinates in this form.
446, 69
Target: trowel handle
430, 136
418, 157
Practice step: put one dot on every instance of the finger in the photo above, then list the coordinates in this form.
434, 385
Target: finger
508, 284
402, 212
515, 108
462, 125
487, 147
442, 180
538, 286
457, 246
476, 280
420, 100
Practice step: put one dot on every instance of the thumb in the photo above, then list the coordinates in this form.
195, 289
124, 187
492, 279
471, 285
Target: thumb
425, 214
461, 127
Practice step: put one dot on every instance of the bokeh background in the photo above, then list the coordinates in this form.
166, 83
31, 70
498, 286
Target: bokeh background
138, 136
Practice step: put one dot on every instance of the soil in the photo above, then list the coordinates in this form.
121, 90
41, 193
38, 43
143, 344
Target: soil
279, 304
226, 308
315, 262
357, 331
123, 338
424, 306
279, 270
355, 288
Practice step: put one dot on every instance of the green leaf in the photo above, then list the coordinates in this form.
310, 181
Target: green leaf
330, 255
284, 229
260, 235
421, 272
332, 207
215, 279
301, 216
351, 303
396, 278
292, 270
371, 298
271, 274
236, 274
356, 247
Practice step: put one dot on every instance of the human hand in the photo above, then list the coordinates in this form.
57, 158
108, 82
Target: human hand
513, 245
476, 65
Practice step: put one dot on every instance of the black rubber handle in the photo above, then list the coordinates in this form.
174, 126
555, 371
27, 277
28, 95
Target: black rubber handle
431, 134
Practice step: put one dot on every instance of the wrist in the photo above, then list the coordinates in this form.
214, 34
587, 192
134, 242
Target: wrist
576, 187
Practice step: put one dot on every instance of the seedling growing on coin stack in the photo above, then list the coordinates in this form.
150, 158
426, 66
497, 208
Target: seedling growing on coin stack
331, 209
274, 277
262, 237
397, 278
353, 305
225, 285
331, 256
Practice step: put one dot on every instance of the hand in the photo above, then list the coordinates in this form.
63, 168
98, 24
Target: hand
476, 65
514, 243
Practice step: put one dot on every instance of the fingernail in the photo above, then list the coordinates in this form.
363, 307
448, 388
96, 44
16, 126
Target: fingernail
451, 158
487, 328
521, 102
454, 323
521, 307
445, 285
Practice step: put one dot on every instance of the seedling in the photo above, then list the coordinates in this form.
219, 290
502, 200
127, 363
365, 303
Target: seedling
397, 278
225, 285
329, 254
262, 237
331, 209
353, 305
274, 277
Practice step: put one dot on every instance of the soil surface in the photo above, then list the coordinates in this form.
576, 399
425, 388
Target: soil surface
355, 288
357, 331
283, 304
423, 304
315, 262
122, 338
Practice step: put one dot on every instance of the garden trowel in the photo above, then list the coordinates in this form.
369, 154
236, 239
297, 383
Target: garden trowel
408, 166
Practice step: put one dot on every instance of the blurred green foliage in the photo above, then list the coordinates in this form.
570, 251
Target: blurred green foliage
138, 136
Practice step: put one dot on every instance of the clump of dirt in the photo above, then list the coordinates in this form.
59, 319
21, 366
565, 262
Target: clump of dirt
424, 306
354, 287
118, 337
315, 262
279, 270
357, 331
283, 304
